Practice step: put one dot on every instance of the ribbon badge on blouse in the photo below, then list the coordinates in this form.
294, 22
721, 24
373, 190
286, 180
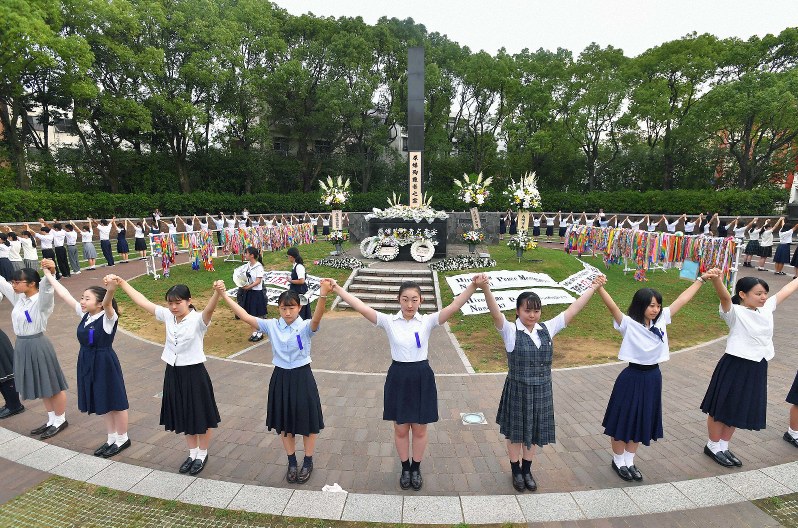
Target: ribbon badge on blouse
91, 336
418, 341
299, 341
27, 316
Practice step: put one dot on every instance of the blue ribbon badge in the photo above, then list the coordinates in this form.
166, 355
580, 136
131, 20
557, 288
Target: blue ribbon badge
91, 336
299, 340
418, 341
27, 316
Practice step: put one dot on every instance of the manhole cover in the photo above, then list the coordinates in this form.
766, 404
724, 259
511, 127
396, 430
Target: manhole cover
473, 418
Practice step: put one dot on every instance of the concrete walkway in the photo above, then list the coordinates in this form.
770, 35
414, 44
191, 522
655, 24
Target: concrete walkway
466, 470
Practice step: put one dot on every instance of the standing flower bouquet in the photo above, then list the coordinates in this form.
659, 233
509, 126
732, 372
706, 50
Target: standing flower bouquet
521, 241
473, 237
524, 194
473, 189
338, 237
335, 192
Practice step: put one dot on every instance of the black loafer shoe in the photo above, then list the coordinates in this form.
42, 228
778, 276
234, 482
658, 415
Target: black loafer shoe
529, 482
116, 449
198, 466
39, 430
291, 474
185, 467
404, 479
732, 458
101, 450
788, 438
415, 480
53, 430
718, 457
5, 412
622, 472
304, 474
636, 475
518, 482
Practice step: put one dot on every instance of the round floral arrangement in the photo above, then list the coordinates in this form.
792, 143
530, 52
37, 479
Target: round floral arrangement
398, 210
522, 241
334, 192
524, 193
473, 190
473, 237
338, 237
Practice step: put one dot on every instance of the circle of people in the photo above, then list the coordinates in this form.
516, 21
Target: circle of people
736, 396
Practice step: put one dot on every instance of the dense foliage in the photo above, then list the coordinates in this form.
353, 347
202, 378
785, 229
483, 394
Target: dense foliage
239, 96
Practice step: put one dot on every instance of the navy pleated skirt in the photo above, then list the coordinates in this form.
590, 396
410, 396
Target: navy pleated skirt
122, 246
253, 302
792, 396
536, 231
765, 251
634, 412
549, 231
752, 248
294, 405
794, 261
410, 395
188, 405
101, 387
782, 254
738, 393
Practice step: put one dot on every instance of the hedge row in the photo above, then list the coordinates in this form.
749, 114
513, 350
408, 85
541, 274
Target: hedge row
17, 206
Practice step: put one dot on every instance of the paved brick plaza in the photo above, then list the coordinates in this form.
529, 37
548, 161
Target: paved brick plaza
356, 447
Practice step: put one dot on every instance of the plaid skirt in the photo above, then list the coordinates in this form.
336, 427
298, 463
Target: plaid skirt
752, 248
526, 413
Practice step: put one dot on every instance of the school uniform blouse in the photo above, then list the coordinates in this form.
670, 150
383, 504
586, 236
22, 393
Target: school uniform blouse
707, 228
751, 331
604, 223
4, 250
172, 229
86, 236
754, 234
785, 237
242, 222
766, 239
105, 231
301, 273
46, 240
508, 329
218, 223
671, 227
71, 238
256, 272
14, 247
138, 232
231, 222
550, 221
640, 344
325, 222
739, 232
689, 227
408, 339
108, 323
39, 307
58, 237
635, 225
184, 339
536, 222
285, 340
28, 251
652, 227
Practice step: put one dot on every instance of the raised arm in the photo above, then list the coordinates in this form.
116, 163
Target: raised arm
786, 291
359, 306
610, 304
580, 303
751, 224
321, 304
48, 267
131, 292
457, 303
108, 299
220, 289
207, 313
691, 290
723, 293
483, 282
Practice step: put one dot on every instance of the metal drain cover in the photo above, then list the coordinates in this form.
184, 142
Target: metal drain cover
473, 418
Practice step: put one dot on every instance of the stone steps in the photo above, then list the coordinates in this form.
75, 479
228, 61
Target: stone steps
379, 288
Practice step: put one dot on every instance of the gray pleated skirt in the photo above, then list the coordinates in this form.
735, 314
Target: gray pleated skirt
33, 264
89, 252
17, 264
37, 373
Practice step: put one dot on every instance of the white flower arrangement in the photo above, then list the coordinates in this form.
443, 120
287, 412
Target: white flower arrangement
338, 237
404, 237
473, 237
462, 262
524, 194
473, 190
335, 192
340, 262
405, 212
522, 241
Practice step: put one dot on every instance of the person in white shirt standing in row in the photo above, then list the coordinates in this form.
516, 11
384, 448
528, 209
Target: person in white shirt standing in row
71, 241
737, 393
782, 254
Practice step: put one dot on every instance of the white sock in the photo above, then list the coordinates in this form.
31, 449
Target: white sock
793, 434
111, 438
629, 458
50, 418
713, 446
121, 439
202, 453
724, 445
59, 420
619, 460
193, 453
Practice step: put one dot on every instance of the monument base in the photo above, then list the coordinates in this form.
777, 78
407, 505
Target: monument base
375, 224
